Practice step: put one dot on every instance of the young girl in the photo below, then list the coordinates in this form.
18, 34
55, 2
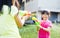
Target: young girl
45, 25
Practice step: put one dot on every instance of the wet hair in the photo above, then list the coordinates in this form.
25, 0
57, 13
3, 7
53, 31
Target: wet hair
45, 12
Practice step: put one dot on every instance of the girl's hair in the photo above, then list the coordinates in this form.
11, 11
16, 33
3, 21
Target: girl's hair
45, 12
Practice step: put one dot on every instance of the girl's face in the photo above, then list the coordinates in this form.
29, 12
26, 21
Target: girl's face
45, 16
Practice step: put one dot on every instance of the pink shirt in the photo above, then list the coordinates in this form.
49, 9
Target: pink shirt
42, 32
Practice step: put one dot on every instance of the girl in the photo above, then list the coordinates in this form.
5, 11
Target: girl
45, 25
8, 27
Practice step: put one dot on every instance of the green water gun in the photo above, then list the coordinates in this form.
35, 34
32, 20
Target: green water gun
36, 21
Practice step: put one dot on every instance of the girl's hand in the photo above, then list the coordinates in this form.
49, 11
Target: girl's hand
46, 29
41, 26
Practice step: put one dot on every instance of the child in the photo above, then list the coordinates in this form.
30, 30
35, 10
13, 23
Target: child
8, 27
20, 20
45, 25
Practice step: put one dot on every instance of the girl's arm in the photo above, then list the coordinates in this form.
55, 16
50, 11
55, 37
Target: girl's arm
46, 29
18, 5
18, 21
16, 1
13, 2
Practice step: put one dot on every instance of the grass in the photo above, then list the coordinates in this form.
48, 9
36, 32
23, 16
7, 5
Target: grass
30, 31
55, 32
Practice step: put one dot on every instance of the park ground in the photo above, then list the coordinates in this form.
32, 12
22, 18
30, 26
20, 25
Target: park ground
30, 31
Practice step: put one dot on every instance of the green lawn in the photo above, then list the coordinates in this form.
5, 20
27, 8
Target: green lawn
29, 31
55, 32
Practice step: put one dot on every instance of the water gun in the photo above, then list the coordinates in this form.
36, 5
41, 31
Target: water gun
36, 21
21, 13
25, 13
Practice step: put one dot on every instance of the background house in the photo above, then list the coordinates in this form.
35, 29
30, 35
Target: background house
39, 5
35, 6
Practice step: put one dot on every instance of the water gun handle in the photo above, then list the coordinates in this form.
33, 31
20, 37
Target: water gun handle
37, 23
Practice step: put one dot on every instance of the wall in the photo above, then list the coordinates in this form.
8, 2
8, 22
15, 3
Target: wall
32, 5
53, 5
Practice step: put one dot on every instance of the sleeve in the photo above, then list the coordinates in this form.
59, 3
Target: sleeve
14, 10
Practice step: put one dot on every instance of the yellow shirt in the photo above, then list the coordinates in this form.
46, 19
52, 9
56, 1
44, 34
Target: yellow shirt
8, 27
